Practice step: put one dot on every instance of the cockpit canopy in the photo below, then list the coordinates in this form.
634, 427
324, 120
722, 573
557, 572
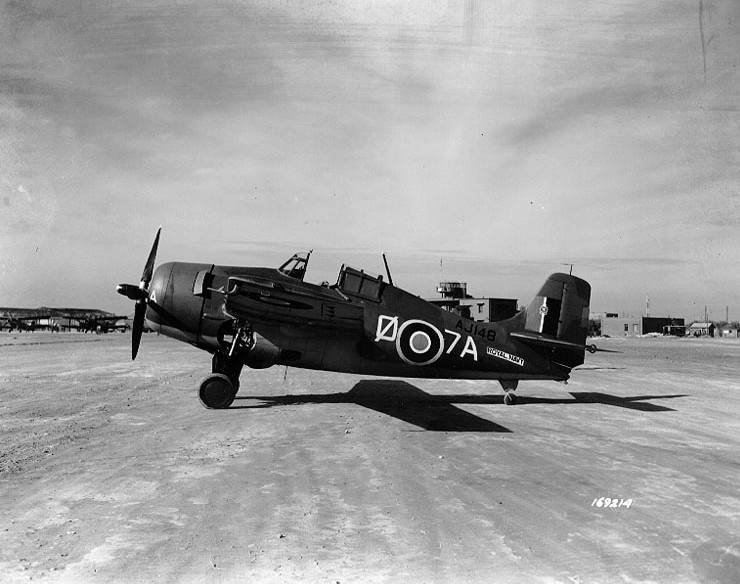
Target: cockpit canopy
350, 282
357, 283
296, 266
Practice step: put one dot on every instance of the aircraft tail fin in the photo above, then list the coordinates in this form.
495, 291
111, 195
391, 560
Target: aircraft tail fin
558, 318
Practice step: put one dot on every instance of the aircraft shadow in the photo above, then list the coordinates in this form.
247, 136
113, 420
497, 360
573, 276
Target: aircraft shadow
637, 402
438, 413
397, 399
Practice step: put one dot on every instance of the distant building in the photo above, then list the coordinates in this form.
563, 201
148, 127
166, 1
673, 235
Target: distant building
675, 330
47, 324
455, 298
453, 289
729, 332
616, 326
664, 326
701, 329
488, 309
612, 325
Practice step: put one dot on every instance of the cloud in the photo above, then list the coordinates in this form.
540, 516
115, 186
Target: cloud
509, 138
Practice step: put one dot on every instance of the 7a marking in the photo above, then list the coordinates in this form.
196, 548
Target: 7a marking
468, 349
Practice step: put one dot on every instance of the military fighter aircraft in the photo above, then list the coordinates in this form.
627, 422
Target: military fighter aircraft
99, 324
260, 317
23, 324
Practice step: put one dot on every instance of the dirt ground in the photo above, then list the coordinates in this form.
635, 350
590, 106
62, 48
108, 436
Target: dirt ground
113, 471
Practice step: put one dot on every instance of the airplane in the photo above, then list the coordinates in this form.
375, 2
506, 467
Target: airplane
262, 316
25, 324
102, 324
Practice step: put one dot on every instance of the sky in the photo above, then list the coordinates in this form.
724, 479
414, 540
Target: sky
488, 142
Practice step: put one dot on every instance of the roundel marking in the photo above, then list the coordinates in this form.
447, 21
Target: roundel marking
419, 343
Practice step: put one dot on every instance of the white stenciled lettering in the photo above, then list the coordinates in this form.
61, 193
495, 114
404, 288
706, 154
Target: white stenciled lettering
456, 337
387, 328
498, 353
470, 349
421, 343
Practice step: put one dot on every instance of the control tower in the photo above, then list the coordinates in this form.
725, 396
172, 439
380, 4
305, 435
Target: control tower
455, 298
454, 290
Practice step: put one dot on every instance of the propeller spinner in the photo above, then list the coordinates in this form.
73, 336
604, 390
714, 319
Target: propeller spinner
140, 294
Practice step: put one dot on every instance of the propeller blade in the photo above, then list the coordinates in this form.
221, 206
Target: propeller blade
138, 328
131, 292
146, 275
140, 294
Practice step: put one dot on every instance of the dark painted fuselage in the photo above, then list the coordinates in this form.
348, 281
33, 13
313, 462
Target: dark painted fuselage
361, 325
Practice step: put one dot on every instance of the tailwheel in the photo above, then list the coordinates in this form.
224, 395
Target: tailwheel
217, 392
509, 398
509, 385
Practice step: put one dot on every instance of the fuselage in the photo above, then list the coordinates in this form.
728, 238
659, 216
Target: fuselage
360, 325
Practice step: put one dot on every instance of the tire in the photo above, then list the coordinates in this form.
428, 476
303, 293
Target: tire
217, 392
509, 398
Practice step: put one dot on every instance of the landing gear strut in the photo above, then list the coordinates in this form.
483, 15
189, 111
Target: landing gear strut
509, 386
231, 367
217, 391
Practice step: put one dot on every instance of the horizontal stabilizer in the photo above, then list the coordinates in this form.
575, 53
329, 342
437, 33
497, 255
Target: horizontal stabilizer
536, 339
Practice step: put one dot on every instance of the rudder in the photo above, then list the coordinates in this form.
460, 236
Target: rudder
560, 310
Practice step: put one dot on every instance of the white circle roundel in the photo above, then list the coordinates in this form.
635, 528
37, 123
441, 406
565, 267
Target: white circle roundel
419, 343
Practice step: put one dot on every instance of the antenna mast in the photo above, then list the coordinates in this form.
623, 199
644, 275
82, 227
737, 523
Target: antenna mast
387, 271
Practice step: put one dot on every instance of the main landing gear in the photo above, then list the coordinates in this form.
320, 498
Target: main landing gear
509, 386
218, 390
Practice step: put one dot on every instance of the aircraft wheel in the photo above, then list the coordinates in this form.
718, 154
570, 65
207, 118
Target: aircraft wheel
509, 398
221, 363
217, 392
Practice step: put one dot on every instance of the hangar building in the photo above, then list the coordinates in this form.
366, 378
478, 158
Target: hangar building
613, 325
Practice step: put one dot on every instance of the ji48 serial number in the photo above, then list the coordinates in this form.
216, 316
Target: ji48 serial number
612, 503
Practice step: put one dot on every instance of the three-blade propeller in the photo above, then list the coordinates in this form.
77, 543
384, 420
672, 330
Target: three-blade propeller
140, 294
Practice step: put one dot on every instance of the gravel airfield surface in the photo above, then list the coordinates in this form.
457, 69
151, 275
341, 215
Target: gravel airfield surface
111, 470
